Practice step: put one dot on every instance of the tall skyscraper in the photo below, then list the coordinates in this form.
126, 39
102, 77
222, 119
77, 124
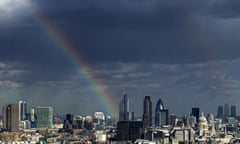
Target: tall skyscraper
22, 110
233, 111
226, 110
220, 112
147, 112
196, 113
124, 109
11, 117
161, 114
44, 117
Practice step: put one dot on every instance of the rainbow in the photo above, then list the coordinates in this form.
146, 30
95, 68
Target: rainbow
63, 43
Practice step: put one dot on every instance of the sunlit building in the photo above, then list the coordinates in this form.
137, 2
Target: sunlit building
22, 110
98, 121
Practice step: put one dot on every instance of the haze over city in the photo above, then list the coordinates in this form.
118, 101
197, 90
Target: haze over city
184, 52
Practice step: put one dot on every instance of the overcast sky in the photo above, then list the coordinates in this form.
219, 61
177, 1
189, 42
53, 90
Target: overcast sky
184, 52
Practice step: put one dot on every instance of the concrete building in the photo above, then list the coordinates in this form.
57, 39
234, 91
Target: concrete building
183, 135
11, 117
22, 110
129, 130
98, 121
147, 112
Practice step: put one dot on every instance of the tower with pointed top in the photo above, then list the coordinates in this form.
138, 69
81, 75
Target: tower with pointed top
124, 109
161, 114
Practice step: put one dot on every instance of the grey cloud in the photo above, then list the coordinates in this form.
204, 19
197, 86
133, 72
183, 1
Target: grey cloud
128, 31
178, 50
225, 8
195, 82
9, 84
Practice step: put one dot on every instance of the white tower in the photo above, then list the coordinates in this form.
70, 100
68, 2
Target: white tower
32, 113
203, 125
22, 110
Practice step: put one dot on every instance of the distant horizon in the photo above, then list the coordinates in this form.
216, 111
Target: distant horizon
205, 111
80, 56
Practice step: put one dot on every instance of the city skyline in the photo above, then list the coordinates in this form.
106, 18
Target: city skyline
73, 54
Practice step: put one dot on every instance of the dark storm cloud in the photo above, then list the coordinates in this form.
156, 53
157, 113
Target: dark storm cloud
104, 31
163, 31
225, 8
177, 50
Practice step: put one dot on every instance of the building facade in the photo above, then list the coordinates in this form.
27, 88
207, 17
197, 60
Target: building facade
22, 110
233, 111
147, 112
226, 110
220, 112
11, 117
44, 117
124, 114
196, 113
161, 114
129, 130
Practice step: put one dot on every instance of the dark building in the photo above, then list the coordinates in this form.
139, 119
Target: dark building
233, 111
161, 114
147, 112
196, 113
124, 109
220, 112
11, 117
129, 130
68, 122
71, 123
132, 116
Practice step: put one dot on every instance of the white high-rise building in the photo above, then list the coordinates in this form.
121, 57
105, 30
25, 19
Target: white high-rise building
32, 112
22, 110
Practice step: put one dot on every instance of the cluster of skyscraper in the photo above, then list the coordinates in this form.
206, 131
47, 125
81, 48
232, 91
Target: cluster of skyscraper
124, 113
224, 111
16, 116
161, 114
131, 129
